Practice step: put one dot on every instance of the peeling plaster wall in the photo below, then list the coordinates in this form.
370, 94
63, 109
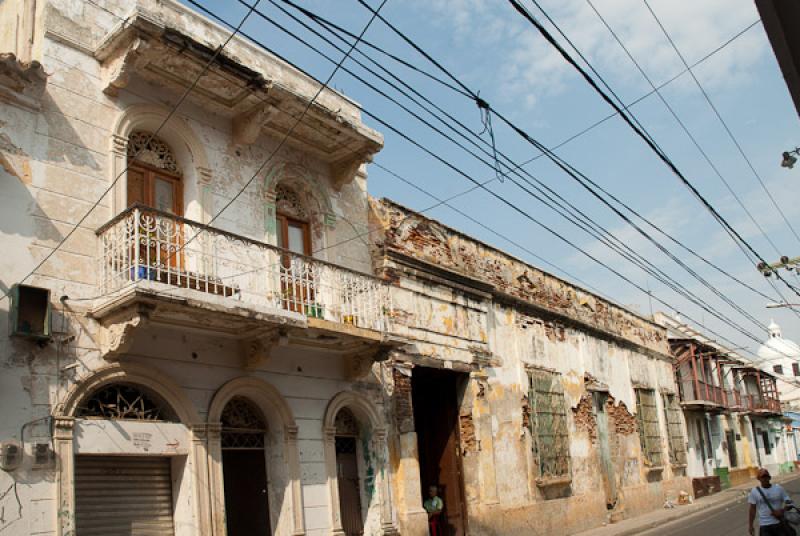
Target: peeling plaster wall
55, 163
467, 306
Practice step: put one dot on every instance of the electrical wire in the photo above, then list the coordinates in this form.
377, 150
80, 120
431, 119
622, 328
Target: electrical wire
735, 236
723, 122
493, 155
672, 285
153, 134
682, 125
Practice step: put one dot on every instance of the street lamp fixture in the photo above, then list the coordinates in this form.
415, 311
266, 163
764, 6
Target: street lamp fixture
789, 158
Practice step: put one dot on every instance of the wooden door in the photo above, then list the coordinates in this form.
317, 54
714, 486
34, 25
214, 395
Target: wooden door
297, 283
245, 482
153, 187
604, 452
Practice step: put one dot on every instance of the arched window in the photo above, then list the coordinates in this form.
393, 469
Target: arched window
293, 221
154, 177
124, 401
244, 468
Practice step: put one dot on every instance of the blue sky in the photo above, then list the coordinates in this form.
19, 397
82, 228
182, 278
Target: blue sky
492, 49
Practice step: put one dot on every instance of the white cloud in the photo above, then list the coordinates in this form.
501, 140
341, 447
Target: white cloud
529, 68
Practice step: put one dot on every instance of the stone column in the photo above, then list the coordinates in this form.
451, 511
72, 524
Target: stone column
383, 485
201, 493
293, 462
482, 414
119, 163
333, 481
65, 475
204, 177
405, 457
216, 484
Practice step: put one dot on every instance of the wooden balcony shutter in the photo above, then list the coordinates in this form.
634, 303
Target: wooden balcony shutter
548, 424
677, 442
647, 421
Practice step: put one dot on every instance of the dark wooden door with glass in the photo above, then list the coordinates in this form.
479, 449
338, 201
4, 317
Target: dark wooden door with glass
297, 277
163, 191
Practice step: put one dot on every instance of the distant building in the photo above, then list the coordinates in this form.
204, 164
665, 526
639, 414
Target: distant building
782, 358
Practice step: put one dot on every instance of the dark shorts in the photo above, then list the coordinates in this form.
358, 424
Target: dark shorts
775, 530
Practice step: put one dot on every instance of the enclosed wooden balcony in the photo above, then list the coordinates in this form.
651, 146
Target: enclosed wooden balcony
178, 271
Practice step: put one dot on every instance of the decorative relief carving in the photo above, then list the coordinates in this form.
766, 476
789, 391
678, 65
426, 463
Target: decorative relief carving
288, 202
146, 148
344, 171
115, 338
247, 125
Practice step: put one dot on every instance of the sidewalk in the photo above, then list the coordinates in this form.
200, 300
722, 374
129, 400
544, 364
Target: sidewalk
658, 518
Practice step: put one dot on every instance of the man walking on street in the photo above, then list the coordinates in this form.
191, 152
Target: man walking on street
769, 500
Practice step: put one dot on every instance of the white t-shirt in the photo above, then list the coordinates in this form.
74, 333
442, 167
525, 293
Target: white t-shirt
777, 498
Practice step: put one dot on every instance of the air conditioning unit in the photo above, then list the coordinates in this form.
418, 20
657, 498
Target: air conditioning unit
30, 312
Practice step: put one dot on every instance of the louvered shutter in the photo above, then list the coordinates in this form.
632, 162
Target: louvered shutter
123, 496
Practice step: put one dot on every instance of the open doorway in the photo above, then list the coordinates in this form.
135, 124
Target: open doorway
436, 396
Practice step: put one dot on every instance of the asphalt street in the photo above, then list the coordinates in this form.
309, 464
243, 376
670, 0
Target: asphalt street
728, 521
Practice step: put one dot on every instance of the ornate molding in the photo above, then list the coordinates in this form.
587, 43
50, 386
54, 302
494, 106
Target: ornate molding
247, 125
257, 350
204, 176
361, 363
118, 70
116, 334
344, 171
21, 83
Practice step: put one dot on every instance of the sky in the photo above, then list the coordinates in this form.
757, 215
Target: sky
492, 49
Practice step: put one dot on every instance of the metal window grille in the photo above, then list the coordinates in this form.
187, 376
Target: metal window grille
548, 424
677, 443
647, 422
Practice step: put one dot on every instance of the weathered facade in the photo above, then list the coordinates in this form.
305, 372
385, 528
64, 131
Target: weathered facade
190, 376
556, 397
220, 347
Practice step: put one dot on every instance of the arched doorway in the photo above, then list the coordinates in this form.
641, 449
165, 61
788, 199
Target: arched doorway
348, 473
244, 469
119, 492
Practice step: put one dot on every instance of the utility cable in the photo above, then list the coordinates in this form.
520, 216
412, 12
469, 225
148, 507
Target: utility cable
722, 121
172, 112
663, 157
494, 157
682, 124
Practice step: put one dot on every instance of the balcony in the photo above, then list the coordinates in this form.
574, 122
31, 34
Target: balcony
700, 394
182, 272
766, 406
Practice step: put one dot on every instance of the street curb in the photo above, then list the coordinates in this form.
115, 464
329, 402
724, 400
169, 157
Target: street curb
714, 503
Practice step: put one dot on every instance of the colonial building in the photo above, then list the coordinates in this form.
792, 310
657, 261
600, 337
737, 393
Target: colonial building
731, 409
525, 398
782, 357
235, 340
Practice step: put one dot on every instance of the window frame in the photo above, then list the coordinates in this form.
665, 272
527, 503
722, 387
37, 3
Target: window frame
649, 428
556, 465
676, 440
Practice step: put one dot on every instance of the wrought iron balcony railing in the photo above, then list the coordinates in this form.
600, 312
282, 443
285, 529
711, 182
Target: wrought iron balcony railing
144, 244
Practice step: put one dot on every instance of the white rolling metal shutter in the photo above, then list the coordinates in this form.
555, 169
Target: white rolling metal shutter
123, 496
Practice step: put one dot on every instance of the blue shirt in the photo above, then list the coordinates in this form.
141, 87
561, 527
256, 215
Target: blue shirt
777, 498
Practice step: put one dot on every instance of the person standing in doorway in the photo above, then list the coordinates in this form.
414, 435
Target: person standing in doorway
769, 501
434, 506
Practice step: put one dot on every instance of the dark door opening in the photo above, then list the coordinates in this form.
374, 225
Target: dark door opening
435, 397
349, 488
245, 479
244, 469
731, 440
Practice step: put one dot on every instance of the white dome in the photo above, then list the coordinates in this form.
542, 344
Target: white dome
776, 348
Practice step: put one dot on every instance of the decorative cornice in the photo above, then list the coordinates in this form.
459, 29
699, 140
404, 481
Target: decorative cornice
21, 83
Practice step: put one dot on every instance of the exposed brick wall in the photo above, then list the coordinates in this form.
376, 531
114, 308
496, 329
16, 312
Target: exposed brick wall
583, 415
622, 421
469, 443
403, 408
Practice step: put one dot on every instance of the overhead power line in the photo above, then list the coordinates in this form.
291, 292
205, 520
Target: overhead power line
636, 259
735, 236
172, 112
680, 123
723, 122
